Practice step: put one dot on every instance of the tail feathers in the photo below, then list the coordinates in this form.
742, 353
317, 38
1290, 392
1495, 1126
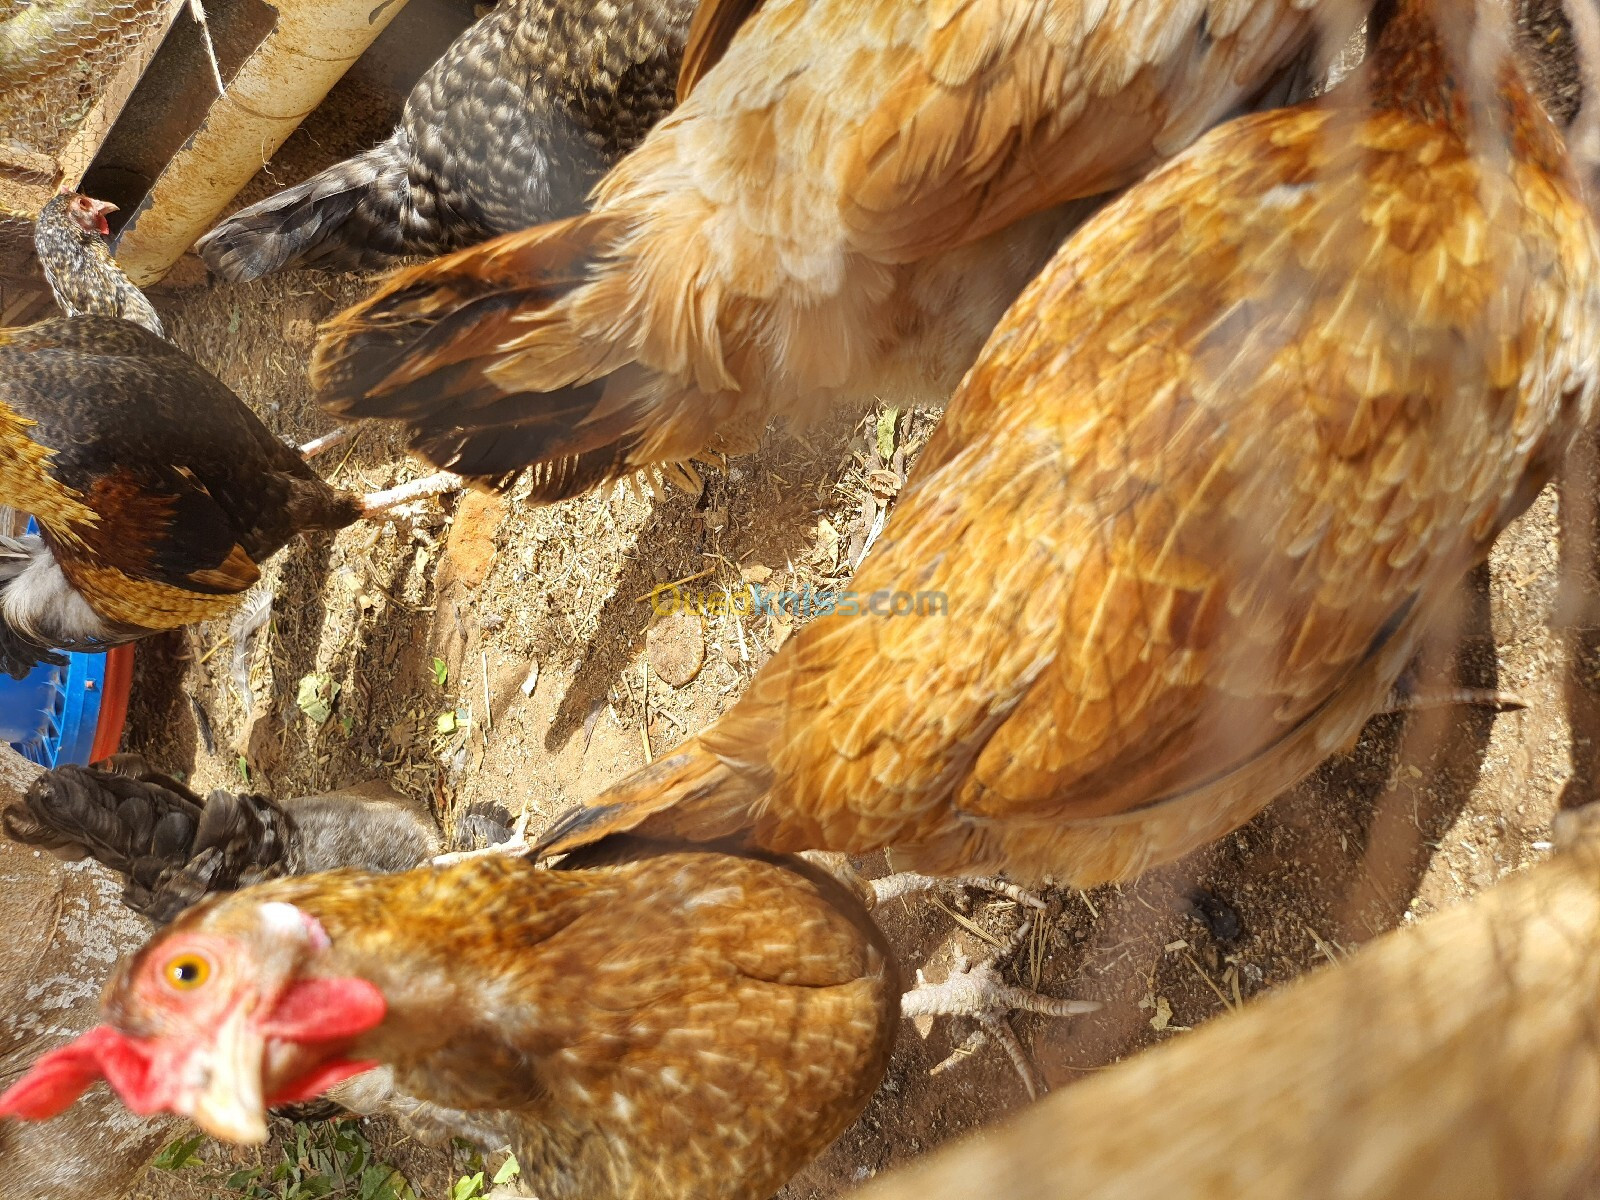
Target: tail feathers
171, 847
689, 796
355, 215
20, 650
20, 654
480, 355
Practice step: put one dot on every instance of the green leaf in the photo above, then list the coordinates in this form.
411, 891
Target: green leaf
446, 722
316, 695
886, 420
508, 1171
243, 1181
440, 671
244, 768
384, 1183
180, 1154
468, 1187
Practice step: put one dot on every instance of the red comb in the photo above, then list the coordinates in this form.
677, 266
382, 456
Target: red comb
65, 1073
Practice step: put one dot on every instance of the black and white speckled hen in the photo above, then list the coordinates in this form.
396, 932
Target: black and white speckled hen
157, 491
512, 126
70, 240
174, 848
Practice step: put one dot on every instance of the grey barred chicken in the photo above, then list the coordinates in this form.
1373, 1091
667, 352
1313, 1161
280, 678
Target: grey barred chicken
512, 126
70, 240
174, 848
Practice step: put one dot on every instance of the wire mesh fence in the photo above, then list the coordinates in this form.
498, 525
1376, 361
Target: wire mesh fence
58, 57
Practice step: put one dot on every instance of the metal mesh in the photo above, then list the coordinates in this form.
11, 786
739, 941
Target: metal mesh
57, 59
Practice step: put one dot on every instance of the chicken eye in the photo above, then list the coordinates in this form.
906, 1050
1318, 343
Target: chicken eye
187, 972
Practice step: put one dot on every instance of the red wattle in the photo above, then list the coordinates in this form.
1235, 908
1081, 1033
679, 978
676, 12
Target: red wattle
320, 1080
325, 1010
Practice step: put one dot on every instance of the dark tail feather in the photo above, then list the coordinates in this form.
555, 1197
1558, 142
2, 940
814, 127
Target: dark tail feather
423, 349
356, 215
689, 796
19, 655
171, 847
483, 824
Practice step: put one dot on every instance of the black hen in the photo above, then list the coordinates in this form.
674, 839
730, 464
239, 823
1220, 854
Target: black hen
157, 491
511, 127
70, 240
173, 848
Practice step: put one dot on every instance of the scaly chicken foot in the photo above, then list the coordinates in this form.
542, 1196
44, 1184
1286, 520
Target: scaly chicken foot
1408, 695
436, 484
320, 445
681, 475
980, 993
906, 883
514, 845
1494, 699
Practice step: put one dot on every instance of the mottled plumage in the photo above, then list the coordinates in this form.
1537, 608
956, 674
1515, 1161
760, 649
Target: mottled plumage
157, 491
173, 848
1198, 499
70, 240
511, 127
842, 208
676, 1025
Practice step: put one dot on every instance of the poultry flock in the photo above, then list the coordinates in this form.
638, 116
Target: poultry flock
1239, 385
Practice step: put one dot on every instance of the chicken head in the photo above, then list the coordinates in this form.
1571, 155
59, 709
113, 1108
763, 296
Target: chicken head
215, 1025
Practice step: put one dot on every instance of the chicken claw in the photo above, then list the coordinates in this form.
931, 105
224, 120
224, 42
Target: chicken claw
513, 846
905, 883
320, 445
436, 484
684, 477
980, 993
1407, 697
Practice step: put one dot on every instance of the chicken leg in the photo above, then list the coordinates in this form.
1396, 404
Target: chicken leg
320, 445
436, 484
979, 992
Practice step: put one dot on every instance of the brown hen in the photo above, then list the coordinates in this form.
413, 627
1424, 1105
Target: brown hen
1198, 499
158, 492
667, 1024
843, 207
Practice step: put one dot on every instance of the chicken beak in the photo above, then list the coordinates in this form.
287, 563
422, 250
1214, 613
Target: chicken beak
230, 1104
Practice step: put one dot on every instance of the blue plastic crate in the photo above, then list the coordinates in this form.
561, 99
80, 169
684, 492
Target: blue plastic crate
51, 717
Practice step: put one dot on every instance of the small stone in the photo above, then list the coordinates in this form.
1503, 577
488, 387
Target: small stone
676, 647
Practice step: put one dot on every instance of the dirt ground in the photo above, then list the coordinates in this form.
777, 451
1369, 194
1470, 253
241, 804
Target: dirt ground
485, 651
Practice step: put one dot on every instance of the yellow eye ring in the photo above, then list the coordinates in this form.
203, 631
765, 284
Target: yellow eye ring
187, 972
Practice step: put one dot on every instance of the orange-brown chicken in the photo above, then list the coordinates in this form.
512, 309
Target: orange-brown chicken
1198, 499
665, 1024
843, 207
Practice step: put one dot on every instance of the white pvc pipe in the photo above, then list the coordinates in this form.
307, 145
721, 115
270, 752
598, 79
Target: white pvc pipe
313, 44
